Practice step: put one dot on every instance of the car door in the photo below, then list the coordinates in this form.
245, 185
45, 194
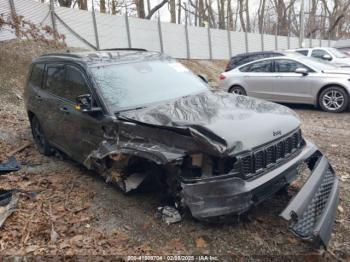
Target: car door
83, 131
258, 79
290, 86
50, 115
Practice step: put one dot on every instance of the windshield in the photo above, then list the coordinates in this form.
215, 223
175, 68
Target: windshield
317, 63
132, 85
336, 53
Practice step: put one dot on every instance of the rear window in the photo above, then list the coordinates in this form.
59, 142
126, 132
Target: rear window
303, 52
36, 75
244, 59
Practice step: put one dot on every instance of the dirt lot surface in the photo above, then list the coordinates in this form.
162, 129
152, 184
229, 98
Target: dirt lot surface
77, 213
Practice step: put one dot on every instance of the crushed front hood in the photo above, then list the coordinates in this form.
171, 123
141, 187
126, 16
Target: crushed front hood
237, 122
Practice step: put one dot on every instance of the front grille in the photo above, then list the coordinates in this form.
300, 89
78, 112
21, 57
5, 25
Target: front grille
257, 161
305, 225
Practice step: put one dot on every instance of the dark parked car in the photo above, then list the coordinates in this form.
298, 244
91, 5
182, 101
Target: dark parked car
135, 115
244, 58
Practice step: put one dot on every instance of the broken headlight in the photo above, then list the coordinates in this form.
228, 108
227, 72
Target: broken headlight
202, 165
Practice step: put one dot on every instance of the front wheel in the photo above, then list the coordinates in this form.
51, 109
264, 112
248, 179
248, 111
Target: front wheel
238, 90
39, 137
334, 99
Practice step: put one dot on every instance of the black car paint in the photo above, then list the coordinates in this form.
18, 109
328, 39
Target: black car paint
165, 134
245, 58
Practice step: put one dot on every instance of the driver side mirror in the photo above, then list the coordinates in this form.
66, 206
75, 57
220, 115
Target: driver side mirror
84, 104
327, 57
302, 71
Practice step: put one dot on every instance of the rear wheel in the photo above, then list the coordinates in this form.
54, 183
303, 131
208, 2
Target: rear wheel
39, 137
238, 90
334, 99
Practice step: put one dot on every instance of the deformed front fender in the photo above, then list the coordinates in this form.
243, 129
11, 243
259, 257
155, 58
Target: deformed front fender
158, 154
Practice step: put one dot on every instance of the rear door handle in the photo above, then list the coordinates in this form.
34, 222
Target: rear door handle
64, 110
39, 97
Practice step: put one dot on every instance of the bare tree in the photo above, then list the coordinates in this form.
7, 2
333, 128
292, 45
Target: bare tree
172, 9
102, 6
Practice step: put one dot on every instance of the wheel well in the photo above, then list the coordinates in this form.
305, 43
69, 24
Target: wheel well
326, 86
234, 86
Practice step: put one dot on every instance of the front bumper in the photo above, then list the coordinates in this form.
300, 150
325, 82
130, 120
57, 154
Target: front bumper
312, 211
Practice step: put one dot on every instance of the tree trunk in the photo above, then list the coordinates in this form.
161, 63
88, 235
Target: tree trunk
113, 7
155, 9
172, 11
102, 6
82, 4
140, 8
241, 18
65, 3
261, 14
229, 16
222, 24
247, 15
201, 13
179, 12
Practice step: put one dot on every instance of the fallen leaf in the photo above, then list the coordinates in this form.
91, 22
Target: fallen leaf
340, 209
176, 244
201, 243
31, 248
76, 239
292, 240
54, 236
64, 245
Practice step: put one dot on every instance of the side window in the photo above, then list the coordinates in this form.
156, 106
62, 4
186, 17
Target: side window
36, 76
55, 79
303, 52
241, 60
318, 53
274, 54
75, 84
262, 66
288, 66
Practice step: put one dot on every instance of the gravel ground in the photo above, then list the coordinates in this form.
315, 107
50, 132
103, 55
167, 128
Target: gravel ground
76, 213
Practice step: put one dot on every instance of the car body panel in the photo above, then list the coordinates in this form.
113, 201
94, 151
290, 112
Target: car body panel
232, 118
343, 61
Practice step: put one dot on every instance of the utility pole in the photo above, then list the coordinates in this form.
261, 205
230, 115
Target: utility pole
302, 23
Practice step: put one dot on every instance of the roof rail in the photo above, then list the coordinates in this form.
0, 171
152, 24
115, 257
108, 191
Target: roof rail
62, 54
123, 49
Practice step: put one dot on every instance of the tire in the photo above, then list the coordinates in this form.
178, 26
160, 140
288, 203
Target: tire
333, 99
238, 90
38, 135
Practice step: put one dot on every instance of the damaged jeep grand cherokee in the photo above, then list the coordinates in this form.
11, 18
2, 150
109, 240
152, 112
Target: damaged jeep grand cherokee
134, 114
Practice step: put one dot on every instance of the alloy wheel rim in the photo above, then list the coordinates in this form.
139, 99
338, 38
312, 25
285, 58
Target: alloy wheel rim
333, 100
237, 91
